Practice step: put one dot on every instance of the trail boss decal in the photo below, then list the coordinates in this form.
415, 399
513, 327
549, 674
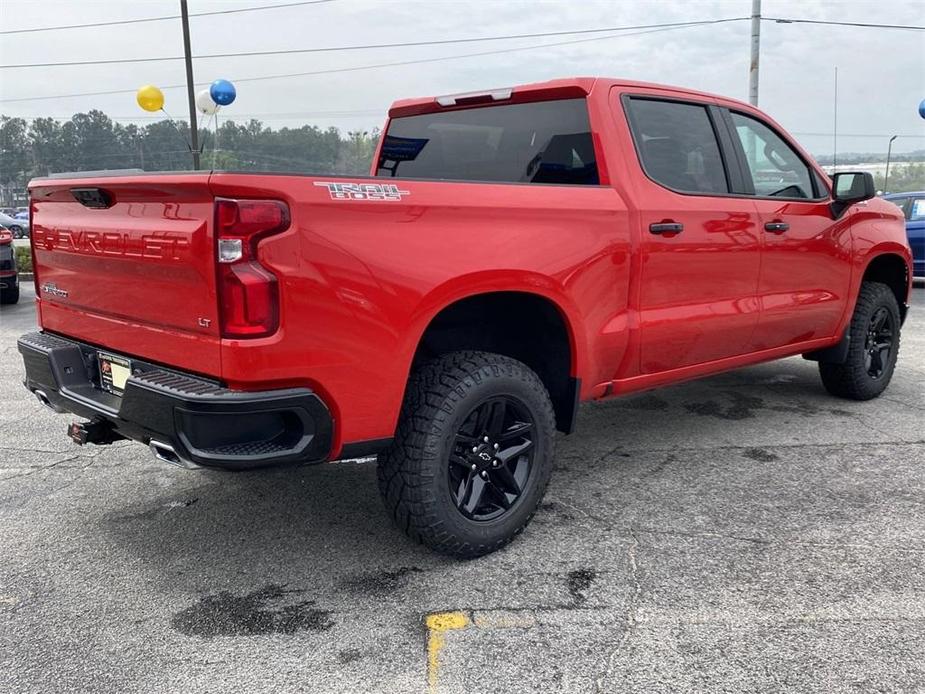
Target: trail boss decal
363, 191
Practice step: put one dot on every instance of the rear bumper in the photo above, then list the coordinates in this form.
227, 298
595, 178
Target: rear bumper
201, 422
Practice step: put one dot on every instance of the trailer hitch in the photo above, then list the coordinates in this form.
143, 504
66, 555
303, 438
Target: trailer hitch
98, 431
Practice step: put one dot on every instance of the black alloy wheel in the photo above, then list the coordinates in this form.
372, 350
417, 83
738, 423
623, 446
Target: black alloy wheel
492, 458
879, 343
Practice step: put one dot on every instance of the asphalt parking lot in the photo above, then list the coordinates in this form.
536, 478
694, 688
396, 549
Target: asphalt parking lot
742, 533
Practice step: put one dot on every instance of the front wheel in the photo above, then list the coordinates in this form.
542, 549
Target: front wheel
873, 347
473, 453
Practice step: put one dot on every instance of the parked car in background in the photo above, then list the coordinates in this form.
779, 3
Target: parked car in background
9, 277
913, 207
18, 227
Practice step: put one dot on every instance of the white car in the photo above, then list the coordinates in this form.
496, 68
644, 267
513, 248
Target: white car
19, 227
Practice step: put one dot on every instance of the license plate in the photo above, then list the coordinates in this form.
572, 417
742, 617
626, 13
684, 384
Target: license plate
114, 372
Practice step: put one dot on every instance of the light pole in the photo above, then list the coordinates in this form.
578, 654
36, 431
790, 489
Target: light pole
886, 176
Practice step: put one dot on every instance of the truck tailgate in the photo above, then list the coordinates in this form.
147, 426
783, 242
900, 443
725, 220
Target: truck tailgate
129, 263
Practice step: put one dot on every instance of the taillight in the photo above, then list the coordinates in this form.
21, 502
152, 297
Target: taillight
248, 292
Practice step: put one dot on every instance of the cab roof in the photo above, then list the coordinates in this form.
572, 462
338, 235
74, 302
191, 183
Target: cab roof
570, 87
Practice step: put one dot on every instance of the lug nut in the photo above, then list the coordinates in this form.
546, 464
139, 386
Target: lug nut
475, 449
497, 446
474, 466
484, 475
485, 439
494, 463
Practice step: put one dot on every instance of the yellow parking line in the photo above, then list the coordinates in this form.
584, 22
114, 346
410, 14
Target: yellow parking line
438, 624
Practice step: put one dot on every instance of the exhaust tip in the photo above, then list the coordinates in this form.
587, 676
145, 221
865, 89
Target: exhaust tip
166, 454
43, 398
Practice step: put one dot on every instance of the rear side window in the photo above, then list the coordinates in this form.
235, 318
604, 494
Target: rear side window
776, 170
541, 142
677, 145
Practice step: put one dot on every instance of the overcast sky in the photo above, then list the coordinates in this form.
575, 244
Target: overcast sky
881, 73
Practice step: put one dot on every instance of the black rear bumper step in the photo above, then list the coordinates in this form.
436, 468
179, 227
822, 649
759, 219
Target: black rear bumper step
201, 421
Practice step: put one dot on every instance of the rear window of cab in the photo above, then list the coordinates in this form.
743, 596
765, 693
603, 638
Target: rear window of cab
541, 142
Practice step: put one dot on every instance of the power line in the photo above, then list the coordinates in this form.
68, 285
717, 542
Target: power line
406, 44
829, 134
402, 63
781, 20
161, 19
290, 115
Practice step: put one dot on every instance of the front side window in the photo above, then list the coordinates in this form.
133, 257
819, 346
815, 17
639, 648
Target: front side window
916, 210
776, 170
677, 145
540, 142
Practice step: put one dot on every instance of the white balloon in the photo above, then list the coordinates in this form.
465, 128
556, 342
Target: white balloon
204, 102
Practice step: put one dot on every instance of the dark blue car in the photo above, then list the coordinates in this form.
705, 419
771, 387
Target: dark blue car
913, 207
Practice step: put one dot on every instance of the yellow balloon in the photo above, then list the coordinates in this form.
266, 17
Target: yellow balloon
150, 98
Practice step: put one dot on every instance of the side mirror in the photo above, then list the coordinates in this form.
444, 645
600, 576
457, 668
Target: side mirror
850, 187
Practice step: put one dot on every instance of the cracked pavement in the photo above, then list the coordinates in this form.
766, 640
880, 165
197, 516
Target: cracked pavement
746, 532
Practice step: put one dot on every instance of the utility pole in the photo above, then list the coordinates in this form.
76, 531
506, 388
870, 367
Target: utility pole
756, 47
886, 176
190, 88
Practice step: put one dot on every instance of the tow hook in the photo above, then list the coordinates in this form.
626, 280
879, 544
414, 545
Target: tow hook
98, 431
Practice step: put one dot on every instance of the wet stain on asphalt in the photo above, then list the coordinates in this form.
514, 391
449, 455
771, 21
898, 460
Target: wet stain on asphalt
660, 466
159, 510
557, 511
259, 612
578, 582
745, 406
650, 403
760, 455
381, 581
349, 655
798, 407
742, 407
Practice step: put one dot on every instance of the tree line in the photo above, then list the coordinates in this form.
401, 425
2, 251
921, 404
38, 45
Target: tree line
92, 141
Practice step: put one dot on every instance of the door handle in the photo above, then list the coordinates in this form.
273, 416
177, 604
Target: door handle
666, 227
776, 227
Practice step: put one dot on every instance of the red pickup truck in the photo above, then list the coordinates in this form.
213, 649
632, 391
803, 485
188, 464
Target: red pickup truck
513, 253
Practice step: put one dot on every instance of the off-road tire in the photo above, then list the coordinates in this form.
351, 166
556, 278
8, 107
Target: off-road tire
851, 379
414, 473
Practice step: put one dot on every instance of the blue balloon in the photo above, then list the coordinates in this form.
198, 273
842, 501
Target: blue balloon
922, 108
222, 92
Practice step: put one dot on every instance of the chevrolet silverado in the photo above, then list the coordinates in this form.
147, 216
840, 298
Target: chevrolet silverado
513, 253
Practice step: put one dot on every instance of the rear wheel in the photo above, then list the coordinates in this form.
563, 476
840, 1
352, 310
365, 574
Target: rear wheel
873, 347
9, 296
473, 453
